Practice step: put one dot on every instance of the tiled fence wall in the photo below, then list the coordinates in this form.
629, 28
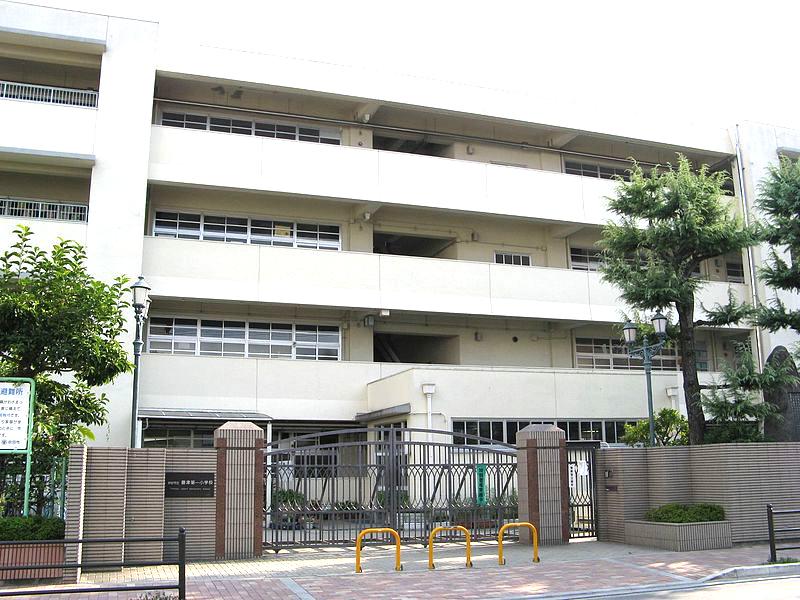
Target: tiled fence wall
743, 478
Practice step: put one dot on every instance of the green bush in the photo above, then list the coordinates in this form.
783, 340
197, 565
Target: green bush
14, 529
686, 513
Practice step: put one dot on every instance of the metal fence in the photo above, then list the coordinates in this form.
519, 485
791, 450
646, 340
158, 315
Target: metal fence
774, 533
48, 93
50, 565
411, 480
48, 487
30, 208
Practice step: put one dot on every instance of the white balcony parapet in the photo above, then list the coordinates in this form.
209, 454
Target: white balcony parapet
287, 389
211, 159
48, 93
243, 273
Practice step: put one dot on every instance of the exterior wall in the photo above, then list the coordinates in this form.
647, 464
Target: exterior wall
60, 129
743, 478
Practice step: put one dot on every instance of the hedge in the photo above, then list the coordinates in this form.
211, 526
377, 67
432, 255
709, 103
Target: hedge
14, 529
686, 513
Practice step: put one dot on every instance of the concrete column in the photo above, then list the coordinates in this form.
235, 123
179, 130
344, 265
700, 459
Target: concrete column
74, 510
541, 480
239, 494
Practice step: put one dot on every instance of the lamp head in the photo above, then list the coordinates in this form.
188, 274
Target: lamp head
141, 293
629, 332
659, 322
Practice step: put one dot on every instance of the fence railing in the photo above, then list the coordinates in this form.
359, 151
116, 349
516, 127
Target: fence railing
773, 532
179, 585
31, 208
48, 93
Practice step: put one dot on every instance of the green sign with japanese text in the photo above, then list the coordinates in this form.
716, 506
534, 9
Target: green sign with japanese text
480, 484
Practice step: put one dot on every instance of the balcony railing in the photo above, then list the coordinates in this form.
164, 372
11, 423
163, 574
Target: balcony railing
48, 93
28, 208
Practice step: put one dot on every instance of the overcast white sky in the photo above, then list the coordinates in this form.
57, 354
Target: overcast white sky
718, 62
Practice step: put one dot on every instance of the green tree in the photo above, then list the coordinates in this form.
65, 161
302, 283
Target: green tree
779, 201
735, 407
61, 327
671, 429
669, 221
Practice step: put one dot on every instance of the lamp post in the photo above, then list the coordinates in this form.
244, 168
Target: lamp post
141, 302
647, 351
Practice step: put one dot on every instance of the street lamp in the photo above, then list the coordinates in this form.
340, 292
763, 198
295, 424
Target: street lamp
141, 303
647, 351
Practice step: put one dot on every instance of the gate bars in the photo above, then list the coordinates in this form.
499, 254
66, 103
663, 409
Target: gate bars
410, 480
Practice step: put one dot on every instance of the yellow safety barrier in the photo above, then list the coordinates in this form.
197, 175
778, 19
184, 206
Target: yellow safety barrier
455, 528
534, 534
397, 565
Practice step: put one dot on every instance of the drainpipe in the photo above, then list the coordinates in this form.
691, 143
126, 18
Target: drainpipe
429, 389
751, 263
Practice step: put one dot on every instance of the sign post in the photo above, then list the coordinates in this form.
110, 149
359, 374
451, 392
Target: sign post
17, 399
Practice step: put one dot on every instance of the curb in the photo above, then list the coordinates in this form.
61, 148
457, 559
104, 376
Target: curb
784, 570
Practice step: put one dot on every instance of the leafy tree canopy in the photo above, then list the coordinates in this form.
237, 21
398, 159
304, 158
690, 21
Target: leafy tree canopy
61, 327
668, 222
779, 201
671, 429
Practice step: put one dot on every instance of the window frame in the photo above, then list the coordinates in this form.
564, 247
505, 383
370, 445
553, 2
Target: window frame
512, 255
590, 252
247, 239
327, 135
459, 427
200, 338
618, 361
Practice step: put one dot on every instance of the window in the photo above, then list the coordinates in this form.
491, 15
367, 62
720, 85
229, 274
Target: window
242, 230
512, 258
282, 131
41, 209
211, 337
585, 259
505, 430
701, 356
734, 271
610, 353
595, 170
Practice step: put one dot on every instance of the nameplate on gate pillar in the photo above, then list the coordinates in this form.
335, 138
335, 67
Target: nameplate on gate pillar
189, 485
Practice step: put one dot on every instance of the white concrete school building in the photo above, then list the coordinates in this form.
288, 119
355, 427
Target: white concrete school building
320, 244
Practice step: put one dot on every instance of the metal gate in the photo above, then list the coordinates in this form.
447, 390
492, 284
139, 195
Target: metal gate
409, 479
582, 493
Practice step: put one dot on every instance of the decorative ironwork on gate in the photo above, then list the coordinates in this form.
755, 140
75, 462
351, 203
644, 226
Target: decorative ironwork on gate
582, 492
411, 480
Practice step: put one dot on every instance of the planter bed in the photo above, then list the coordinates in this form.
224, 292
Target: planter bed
31, 554
679, 537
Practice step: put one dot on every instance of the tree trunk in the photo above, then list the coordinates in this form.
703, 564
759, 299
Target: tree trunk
691, 385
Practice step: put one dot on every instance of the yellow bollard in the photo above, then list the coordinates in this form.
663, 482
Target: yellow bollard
455, 528
397, 565
535, 535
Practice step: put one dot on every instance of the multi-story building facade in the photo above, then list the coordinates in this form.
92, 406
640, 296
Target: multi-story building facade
320, 245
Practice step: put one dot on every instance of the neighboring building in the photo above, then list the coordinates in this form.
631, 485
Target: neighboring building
320, 245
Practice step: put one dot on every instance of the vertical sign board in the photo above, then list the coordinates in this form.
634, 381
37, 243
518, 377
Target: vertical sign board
17, 397
480, 484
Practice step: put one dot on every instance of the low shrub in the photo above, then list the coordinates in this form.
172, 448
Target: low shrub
13, 529
686, 513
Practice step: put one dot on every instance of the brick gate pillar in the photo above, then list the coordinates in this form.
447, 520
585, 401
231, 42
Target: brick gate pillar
542, 483
240, 489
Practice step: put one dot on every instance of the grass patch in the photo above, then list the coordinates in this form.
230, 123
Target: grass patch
784, 560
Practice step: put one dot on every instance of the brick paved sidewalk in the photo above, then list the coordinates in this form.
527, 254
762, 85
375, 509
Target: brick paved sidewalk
323, 574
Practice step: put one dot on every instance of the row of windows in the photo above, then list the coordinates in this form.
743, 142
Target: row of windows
207, 337
512, 258
595, 170
243, 230
42, 209
505, 430
610, 353
589, 259
282, 131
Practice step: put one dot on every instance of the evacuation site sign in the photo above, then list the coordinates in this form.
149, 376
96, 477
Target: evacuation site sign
480, 484
15, 409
